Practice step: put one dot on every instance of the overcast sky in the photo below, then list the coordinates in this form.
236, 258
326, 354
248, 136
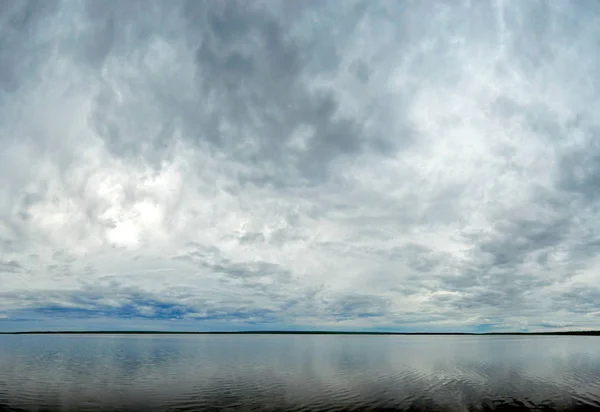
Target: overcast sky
357, 165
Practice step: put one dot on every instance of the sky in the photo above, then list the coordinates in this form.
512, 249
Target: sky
315, 165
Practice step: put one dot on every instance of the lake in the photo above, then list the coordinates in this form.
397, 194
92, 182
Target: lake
298, 372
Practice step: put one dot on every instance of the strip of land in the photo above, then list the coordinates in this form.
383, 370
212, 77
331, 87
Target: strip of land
146, 332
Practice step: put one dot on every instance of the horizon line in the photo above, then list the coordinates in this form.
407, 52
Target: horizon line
299, 332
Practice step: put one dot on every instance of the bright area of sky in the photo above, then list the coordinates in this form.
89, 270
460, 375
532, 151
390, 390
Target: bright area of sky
341, 165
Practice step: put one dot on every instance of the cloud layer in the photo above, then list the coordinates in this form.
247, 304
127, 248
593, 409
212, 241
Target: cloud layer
356, 165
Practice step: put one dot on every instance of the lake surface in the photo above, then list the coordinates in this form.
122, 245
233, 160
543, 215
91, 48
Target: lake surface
298, 372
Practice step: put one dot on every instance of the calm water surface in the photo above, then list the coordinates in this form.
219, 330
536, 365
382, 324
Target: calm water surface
298, 372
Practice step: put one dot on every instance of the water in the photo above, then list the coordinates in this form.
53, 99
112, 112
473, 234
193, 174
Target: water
298, 372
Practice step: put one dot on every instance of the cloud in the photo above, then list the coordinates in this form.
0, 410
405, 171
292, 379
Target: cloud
316, 165
11, 266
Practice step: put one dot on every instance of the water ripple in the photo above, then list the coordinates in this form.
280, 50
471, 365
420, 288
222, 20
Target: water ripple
320, 374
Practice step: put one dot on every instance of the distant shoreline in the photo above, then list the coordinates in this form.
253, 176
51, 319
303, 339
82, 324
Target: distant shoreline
142, 332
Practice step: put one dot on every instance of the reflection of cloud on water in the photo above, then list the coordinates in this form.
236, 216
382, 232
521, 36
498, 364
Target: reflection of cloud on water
300, 370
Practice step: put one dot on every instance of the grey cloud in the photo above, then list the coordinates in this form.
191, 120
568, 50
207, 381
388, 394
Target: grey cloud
197, 253
251, 98
250, 238
551, 324
295, 302
357, 305
253, 269
211, 258
504, 265
361, 71
11, 266
517, 239
21, 48
64, 256
256, 278
419, 257
578, 299
112, 29
98, 40
268, 76
578, 172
